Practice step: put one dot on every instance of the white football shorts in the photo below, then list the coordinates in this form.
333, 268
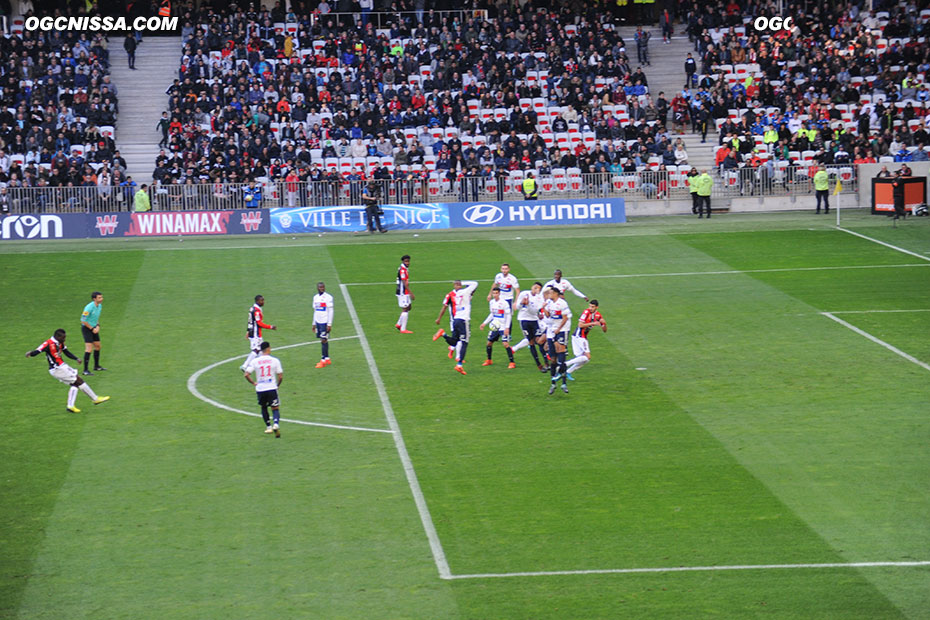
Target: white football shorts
403, 301
64, 373
580, 346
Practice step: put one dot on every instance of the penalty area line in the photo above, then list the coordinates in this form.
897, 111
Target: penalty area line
192, 388
439, 556
878, 341
690, 569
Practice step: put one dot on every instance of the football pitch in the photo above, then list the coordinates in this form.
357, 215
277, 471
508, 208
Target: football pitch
750, 439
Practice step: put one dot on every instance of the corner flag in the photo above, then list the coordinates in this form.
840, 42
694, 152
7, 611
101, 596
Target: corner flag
838, 188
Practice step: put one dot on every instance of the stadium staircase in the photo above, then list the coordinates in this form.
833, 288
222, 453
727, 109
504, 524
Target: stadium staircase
666, 73
142, 99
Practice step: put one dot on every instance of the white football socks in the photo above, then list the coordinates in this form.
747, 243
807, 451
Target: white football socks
521, 344
86, 389
72, 395
248, 360
577, 363
402, 321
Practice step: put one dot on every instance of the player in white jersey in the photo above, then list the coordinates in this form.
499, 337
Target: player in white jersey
323, 321
268, 376
405, 296
507, 283
498, 322
563, 285
558, 324
459, 303
580, 347
528, 306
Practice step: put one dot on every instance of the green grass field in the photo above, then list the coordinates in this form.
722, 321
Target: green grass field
724, 422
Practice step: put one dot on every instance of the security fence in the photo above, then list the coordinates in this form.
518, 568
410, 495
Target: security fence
642, 186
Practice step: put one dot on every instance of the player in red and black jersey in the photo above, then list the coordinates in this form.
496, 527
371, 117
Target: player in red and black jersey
591, 317
54, 348
405, 296
253, 330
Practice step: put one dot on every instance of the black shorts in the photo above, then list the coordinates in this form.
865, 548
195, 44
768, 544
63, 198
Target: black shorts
89, 335
498, 334
268, 398
320, 329
460, 330
531, 329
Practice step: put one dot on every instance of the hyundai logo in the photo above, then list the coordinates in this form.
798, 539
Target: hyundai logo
484, 215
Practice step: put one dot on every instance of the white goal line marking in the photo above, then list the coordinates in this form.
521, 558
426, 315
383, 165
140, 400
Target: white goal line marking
192, 388
679, 273
688, 569
878, 341
887, 245
439, 556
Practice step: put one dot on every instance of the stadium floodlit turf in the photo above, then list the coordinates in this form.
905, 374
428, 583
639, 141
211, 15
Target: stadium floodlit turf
724, 422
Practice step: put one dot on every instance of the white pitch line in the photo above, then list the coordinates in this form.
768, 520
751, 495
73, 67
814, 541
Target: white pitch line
401, 238
887, 245
879, 341
439, 556
877, 311
686, 569
192, 388
680, 273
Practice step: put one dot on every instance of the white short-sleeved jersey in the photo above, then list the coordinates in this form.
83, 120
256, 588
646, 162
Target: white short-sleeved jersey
563, 286
499, 314
507, 284
462, 302
555, 312
529, 305
266, 369
323, 308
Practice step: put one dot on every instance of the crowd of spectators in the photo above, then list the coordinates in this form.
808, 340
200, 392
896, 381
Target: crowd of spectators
58, 110
261, 94
844, 86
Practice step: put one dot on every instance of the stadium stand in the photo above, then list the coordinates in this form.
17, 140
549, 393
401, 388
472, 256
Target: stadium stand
58, 112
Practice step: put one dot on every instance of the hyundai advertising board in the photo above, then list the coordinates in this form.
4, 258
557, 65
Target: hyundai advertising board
537, 213
451, 215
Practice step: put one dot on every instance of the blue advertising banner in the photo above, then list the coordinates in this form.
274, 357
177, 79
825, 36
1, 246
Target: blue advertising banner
163, 223
537, 213
57, 226
352, 218
452, 215
125, 224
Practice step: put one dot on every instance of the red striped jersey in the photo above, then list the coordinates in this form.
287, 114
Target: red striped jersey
403, 277
255, 325
53, 350
449, 300
588, 316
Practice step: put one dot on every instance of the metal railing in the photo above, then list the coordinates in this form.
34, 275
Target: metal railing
386, 19
646, 185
